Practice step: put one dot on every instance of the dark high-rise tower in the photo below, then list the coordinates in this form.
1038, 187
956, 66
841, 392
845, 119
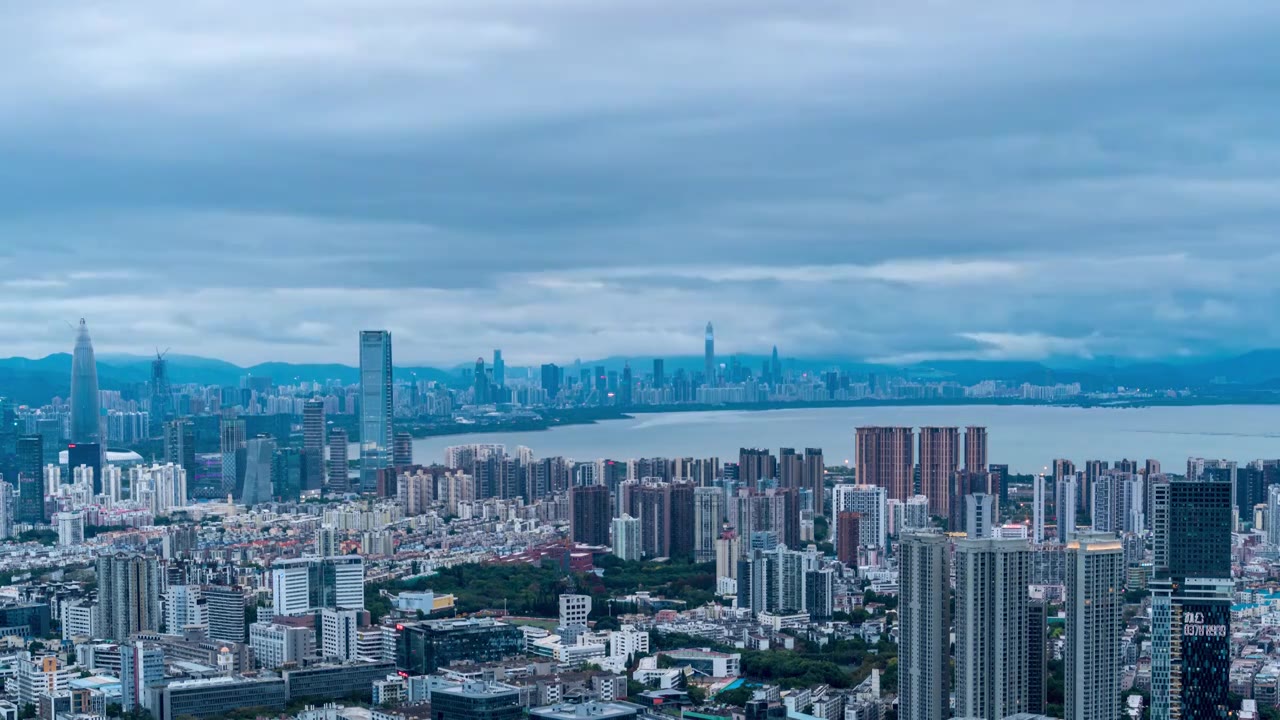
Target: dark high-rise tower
590, 514
161, 395
85, 401
180, 447
775, 367
337, 470
709, 361
30, 481
480, 381
402, 449
313, 442
376, 405
659, 373
499, 369
551, 382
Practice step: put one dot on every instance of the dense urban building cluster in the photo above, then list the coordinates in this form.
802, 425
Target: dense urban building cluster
281, 577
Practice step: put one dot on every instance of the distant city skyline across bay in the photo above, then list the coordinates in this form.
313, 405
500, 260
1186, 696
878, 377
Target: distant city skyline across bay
1025, 438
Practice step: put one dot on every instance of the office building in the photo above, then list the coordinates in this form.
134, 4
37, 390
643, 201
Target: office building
472, 700
232, 447
939, 461
425, 647
1191, 595
991, 620
709, 358
332, 682
24, 620
180, 445
141, 667
338, 471
590, 513
886, 458
184, 607
217, 697
709, 517
226, 612
306, 585
376, 406
925, 626
626, 538
259, 455
86, 411
574, 609
313, 440
1273, 516
1000, 479
129, 588
1094, 607
86, 455
338, 634
276, 645
402, 450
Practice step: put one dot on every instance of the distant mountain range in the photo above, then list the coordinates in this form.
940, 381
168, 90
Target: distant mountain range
35, 381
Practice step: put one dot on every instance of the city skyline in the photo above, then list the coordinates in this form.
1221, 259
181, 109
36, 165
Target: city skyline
795, 173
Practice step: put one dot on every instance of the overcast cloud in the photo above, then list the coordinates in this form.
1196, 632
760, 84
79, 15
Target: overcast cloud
574, 178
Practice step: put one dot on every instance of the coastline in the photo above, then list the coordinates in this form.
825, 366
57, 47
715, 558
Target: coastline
593, 416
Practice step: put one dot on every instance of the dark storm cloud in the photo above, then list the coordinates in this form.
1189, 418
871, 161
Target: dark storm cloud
571, 178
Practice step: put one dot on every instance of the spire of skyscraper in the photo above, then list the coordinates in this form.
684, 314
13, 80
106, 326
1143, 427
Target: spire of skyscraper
85, 402
709, 372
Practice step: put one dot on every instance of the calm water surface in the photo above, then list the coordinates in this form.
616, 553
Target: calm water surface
1025, 437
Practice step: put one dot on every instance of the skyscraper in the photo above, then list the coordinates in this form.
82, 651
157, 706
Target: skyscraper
709, 515
924, 643
337, 470
775, 368
180, 445
402, 450
30, 480
975, 450
885, 458
313, 440
659, 373
814, 478
232, 446
259, 463
847, 534
551, 382
161, 395
129, 588
991, 619
1037, 656
1191, 593
939, 460
376, 406
868, 501
1095, 623
85, 401
1064, 505
709, 361
590, 514
1037, 509
499, 370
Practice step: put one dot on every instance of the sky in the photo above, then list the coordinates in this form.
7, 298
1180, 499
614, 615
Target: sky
899, 182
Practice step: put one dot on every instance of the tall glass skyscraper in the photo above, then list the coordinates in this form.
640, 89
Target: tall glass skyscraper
709, 360
375, 405
85, 401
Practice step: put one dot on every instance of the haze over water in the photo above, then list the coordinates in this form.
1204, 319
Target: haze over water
1026, 437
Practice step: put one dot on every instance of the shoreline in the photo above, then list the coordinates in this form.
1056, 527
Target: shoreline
594, 416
